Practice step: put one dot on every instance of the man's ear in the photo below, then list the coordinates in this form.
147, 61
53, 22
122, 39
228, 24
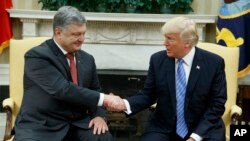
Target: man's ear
188, 44
58, 32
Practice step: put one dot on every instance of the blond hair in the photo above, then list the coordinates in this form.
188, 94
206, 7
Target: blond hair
184, 26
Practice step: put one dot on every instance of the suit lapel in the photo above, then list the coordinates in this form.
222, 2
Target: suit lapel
61, 57
170, 65
79, 64
195, 72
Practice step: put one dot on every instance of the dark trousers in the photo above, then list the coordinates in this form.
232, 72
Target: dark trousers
78, 134
155, 136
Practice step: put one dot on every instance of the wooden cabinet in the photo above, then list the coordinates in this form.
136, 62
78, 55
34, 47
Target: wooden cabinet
244, 101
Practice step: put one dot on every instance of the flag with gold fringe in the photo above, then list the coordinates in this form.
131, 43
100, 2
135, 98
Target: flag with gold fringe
233, 30
5, 25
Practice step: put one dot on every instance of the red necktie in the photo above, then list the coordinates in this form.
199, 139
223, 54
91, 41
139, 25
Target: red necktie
72, 66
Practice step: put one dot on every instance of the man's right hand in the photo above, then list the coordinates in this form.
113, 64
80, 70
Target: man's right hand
113, 103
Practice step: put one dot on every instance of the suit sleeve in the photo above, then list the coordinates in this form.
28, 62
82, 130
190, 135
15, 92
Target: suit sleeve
146, 97
95, 85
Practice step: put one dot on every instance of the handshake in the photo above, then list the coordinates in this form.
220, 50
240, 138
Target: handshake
114, 103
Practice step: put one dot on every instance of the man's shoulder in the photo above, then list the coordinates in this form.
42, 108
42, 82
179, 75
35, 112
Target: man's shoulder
161, 53
42, 49
83, 53
85, 56
42, 46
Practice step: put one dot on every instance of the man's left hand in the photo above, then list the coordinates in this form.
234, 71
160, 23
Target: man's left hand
191, 139
99, 125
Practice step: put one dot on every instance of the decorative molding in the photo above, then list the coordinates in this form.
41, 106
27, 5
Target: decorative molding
102, 27
46, 22
118, 17
26, 20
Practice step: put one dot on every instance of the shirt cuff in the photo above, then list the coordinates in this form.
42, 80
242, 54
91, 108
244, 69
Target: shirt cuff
128, 110
101, 99
196, 137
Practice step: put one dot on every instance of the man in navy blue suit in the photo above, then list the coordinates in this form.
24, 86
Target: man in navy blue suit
203, 88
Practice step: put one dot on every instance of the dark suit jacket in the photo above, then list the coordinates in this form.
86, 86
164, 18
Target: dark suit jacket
51, 102
205, 97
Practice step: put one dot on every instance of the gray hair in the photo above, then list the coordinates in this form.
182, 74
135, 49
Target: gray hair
67, 15
186, 27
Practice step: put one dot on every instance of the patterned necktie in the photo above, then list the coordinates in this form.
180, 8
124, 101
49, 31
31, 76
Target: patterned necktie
73, 70
181, 128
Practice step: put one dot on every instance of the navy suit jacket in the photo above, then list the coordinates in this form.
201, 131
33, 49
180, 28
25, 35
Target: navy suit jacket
51, 102
205, 95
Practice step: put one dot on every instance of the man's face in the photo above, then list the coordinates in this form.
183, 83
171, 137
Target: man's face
175, 46
72, 37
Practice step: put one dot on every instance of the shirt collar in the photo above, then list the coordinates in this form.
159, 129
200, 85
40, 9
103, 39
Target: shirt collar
188, 59
60, 47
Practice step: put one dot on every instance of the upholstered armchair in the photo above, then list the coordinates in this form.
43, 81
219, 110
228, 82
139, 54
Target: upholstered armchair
12, 104
231, 58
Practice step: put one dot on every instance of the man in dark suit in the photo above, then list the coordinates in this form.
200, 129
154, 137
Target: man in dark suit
62, 99
189, 86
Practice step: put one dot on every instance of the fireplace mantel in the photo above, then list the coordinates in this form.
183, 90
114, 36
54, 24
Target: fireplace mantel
130, 28
118, 17
118, 41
